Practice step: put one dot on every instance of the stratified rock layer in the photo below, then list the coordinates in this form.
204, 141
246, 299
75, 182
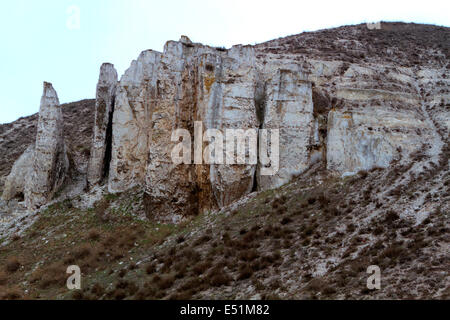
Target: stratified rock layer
104, 107
289, 108
50, 162
346, 113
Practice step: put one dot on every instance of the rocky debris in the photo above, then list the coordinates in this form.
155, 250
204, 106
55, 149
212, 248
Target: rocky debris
50, 163
101, 141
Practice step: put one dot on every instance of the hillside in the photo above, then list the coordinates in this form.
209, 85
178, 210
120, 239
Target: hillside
363, 175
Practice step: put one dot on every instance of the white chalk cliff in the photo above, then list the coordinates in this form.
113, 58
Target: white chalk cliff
349, 114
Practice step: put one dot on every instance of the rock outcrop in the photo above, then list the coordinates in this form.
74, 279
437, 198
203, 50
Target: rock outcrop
100, 155
350, 115
289, 108
15, 182
50, 163
162, 92
334, 102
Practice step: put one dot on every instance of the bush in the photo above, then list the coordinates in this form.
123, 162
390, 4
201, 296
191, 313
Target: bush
101, 210
12, 265
220, 279
150, 269
166, 282
3, 278
286, 221
94, 235
12, 294
391, 216
82, 252
245, 273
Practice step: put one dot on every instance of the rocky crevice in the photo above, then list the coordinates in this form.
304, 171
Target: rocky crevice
100, 155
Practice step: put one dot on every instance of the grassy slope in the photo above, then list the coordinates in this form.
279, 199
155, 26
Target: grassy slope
313, 238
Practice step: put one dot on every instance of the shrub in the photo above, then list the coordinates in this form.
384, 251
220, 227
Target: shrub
248, 255
378, 231
54, 274
100, 210
3, 278
220, 279
166, 282
94, 235
82, 252
202, 267
315, 285
150, 269
391, 216
286, 220
363, 174
12, 265
329, 291
97, 290
202, 240
245, 273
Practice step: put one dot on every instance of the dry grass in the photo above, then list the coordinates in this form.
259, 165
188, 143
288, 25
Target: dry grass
12, 265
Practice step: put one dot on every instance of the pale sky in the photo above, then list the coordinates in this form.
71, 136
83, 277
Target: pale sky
41, 40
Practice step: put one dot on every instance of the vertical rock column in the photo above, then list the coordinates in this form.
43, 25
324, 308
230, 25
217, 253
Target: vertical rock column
106, 92
50, 161
131, 122
171, 190
230, 104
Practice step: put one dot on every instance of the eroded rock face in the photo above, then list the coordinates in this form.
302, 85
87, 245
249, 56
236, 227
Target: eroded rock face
230, 103
131, 119
104, 106
185, 84
50, 163
289, 108
15, 182
339, 102
346, 113
372, 137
